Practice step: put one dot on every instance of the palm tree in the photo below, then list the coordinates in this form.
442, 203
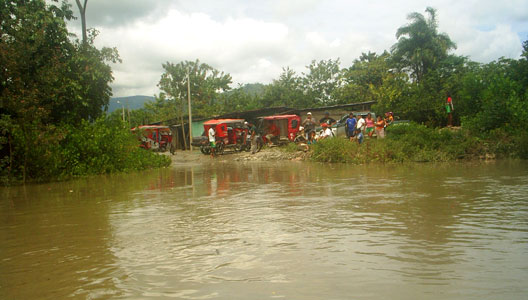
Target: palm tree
420, 47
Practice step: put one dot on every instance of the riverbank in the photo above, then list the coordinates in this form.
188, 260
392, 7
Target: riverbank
180, 158
404, 143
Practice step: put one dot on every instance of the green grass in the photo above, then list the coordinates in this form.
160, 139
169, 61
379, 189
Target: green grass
418, 143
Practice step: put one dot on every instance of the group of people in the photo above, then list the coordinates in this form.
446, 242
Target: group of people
355, 127
307, 134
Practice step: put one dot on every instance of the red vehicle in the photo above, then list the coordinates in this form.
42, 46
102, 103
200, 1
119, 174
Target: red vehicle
155, 137
288, 127
229, 133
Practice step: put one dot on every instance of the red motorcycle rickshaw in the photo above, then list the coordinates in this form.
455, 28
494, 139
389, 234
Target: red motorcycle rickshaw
229, 134
155, 137
288, 126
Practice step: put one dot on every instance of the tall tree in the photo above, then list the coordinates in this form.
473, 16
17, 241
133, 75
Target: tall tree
420, 47
364, 76
323, 78
206, 84
82, 12
285, 91
45, 78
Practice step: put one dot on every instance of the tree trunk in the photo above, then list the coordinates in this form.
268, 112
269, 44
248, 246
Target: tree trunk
82, 11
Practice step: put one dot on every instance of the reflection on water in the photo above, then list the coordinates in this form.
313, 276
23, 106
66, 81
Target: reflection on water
271, 230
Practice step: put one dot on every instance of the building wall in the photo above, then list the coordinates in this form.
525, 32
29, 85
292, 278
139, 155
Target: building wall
197, 128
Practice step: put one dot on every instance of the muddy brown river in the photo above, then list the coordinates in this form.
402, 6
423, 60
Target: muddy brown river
287, 230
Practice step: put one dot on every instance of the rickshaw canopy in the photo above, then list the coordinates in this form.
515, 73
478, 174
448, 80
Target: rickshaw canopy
280, 117
223, 121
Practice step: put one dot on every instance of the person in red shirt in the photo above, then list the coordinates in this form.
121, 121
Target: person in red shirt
449, 109
273, 131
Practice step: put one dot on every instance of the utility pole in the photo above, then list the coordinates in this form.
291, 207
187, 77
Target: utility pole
128, 111
189, 106
123, 108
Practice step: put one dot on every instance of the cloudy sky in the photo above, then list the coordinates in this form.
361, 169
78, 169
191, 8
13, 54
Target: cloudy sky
253, 40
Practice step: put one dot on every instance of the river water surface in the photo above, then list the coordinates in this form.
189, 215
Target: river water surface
271, 230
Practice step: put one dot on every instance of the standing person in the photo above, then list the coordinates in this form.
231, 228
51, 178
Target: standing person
449, 109
350, 126
309, 124
327, 119
360, 127
370, 125
212, 140
311, 138
253, 138
389, 118
380, 128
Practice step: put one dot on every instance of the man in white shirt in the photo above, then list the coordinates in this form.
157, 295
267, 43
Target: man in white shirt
212, 140
327, 132
361, 124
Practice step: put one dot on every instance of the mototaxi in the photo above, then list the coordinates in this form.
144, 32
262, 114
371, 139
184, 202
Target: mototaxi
154, 137
288, 126
229, 134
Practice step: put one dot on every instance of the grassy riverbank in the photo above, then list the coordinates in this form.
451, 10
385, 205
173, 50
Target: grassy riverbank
418, 143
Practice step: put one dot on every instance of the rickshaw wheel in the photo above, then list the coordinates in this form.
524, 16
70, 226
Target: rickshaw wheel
219, 148
239, 147
205, 150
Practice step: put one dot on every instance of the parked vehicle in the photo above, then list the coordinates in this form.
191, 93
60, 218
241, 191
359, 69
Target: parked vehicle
154, 137
229, 134
288, 126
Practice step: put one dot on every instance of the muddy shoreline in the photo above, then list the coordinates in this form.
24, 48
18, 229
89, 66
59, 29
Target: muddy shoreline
266, 154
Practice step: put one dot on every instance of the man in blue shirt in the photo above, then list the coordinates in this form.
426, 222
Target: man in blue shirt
350, 126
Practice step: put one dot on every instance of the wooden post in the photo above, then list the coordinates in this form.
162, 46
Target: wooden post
189, 107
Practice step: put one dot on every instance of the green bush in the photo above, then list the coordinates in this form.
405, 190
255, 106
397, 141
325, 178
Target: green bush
54, 153
412, 143
104, 146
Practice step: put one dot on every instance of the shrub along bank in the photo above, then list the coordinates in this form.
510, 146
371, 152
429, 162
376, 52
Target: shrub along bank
56, 153
418, 143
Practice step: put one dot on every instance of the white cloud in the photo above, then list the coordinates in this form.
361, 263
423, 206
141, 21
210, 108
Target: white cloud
253, 40
483, 45
235, 46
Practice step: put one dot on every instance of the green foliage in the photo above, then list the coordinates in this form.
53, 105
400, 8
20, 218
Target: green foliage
49, 86
286, 91
105, 147
419, 143
290, 148
47, 78
364, 79
321, 82
420, 48
245, 97
59, 152
205, 84
494, 97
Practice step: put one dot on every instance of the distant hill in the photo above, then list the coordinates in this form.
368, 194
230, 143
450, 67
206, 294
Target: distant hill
254, 89
134, 102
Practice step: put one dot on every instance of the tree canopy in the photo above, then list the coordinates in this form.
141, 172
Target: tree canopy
206, 83
420, 48
48, 79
